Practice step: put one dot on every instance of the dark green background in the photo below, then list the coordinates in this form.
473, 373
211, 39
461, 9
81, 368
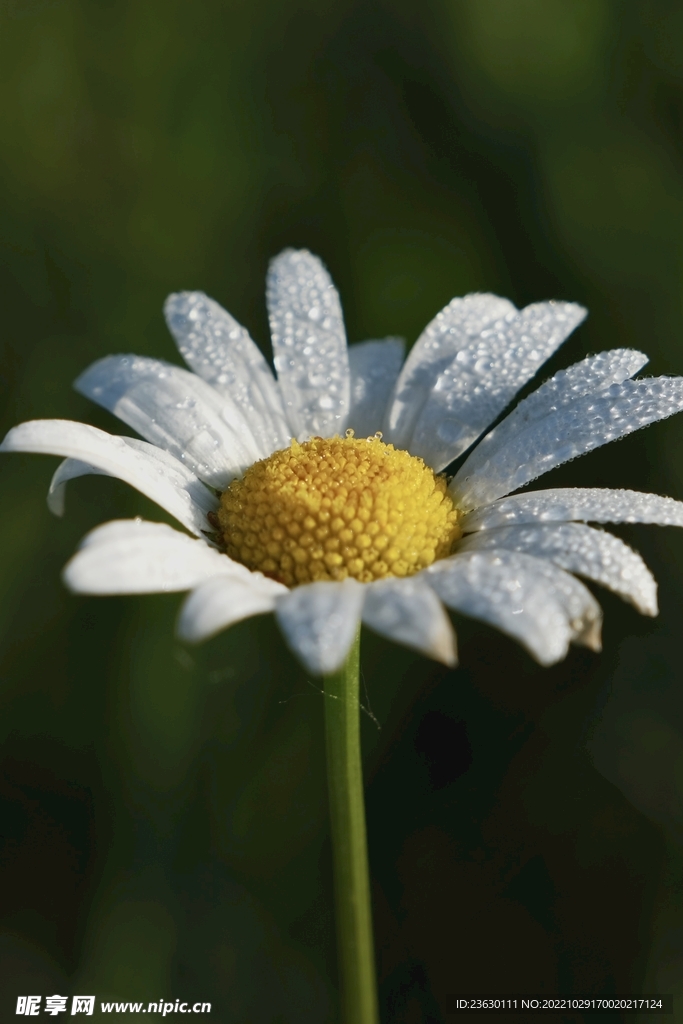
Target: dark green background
163, 809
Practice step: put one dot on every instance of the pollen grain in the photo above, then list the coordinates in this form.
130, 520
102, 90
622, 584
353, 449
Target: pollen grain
327, 509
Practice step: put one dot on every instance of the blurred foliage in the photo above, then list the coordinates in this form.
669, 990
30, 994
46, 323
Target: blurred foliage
163, 809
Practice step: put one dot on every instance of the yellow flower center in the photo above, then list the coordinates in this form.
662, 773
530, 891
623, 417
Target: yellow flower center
346, 506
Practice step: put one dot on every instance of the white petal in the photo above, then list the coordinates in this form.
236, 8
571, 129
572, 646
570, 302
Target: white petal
175, 410
374, 366
590, 375
69, 469
409, 612
595, 554
222, 600
220, 350
131, 556
309, 344
568, 431
528, 598
587, 504
319, 621
461, 321
484, 378
468, 364
151, 471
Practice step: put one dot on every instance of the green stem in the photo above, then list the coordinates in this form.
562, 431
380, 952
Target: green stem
349, 843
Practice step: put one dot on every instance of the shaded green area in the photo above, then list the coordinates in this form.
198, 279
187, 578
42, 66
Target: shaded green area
163, 809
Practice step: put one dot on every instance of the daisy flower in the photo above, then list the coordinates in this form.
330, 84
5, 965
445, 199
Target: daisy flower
322, 495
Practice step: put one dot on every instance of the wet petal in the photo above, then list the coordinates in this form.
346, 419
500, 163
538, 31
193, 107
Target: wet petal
591, 375
175, 410
469, 363
595, 554
587, 504
530, 599
568, 431
409, 612
374, 366
150, 470
222, 600
484, 378
221, 351
309, 344
460, 322
131, 556
319, 622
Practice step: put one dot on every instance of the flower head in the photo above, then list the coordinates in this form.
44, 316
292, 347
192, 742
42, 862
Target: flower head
321, 495
332, 509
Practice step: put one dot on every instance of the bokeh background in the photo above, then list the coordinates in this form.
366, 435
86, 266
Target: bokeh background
163, 809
